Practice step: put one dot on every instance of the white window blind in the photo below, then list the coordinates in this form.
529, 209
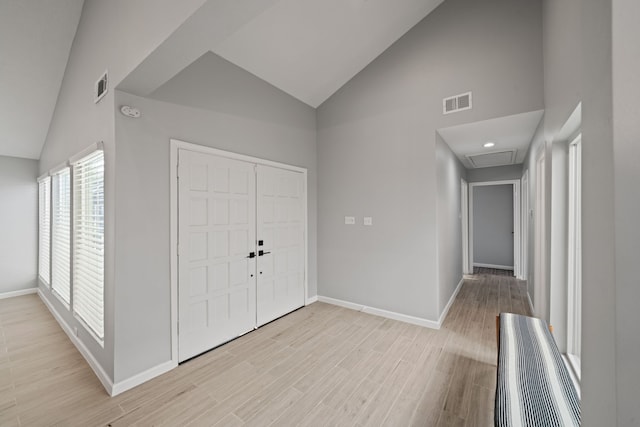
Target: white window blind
88, 239
44, 228
61, 235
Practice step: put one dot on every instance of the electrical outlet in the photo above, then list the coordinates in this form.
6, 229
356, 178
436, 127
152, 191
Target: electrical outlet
349, 220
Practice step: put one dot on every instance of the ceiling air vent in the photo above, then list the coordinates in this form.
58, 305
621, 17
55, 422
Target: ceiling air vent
453, 104
101, 88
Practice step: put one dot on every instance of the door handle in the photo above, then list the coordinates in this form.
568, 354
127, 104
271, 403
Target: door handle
252, 255
261, 252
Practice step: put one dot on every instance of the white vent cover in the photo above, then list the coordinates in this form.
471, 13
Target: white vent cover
486, 160
101, 88
456, 103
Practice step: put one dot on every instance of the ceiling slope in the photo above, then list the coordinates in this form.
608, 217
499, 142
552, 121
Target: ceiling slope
35, 41
306, 48
311, 48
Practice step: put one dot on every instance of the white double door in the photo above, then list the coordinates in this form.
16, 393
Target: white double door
241, 248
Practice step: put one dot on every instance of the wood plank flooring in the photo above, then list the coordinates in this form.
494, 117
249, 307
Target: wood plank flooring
321, 365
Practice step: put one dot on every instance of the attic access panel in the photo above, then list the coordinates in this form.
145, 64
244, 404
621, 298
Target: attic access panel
486, 160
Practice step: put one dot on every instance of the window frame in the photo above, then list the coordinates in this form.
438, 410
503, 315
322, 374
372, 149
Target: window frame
49, 206
65, 169
574, 256
44, 206
86, 319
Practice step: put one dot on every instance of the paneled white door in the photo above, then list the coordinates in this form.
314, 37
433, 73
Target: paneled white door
216, 233
281, 242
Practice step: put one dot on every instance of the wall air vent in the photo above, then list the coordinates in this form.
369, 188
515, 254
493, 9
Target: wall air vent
101, 88
456, 103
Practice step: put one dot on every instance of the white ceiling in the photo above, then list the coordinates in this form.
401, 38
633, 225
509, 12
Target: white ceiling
35, 41
508, 133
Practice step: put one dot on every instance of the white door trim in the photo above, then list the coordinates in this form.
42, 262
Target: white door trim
516, 219
540, 236
175, 146
524, 237
467, 268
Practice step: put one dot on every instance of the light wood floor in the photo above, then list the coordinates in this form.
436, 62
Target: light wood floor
321, 365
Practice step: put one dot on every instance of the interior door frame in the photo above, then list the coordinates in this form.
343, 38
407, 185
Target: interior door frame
540, 238
464, 218
524, 237
175, 146
516, 220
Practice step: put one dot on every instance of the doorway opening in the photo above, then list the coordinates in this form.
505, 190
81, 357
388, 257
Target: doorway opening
494, 226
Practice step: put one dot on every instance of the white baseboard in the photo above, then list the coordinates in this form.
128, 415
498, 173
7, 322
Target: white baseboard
382, 313
497, 267
84, 351
444, 313
312, 300
136, 380
19, 293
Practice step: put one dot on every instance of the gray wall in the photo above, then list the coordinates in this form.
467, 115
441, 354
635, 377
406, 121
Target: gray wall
562, 58
115, 36
376, 148
237, 112
562, 93
559, 256
497, 173
562, 47
493, 225
599, 282
626, 152
449, 175
607, 83
18, 223
529, 167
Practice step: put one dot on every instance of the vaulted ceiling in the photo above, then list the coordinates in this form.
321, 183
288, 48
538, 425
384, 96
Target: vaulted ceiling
35, 41
306, 48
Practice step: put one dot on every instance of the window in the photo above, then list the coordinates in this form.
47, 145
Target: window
574, 292
61, 235
88, 241
44, 228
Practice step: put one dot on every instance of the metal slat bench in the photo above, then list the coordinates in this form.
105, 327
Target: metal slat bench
533, 385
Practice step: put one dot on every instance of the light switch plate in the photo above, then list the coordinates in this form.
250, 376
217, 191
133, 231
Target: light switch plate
368, 220
349, 220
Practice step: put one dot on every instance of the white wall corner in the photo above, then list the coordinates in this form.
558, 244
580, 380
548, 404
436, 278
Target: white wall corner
84, 351
382, 313
533, 312
311, 300
18, 293
445, 311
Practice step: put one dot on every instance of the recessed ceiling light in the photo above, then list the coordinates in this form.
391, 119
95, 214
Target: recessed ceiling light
489, 144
